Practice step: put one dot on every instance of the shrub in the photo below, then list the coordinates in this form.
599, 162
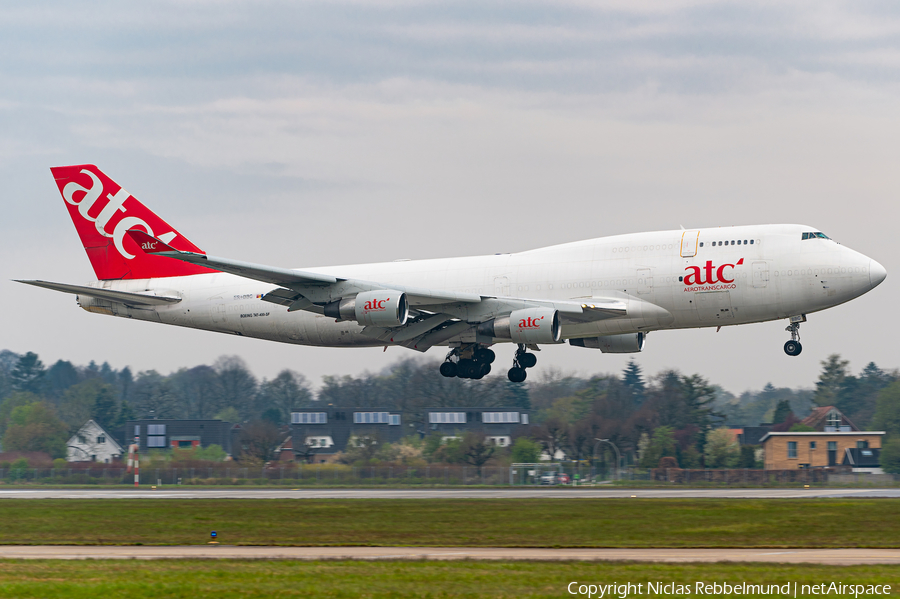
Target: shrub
668, 462
526, 451
890, 456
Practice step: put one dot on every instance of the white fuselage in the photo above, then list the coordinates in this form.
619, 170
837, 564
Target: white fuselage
758, 273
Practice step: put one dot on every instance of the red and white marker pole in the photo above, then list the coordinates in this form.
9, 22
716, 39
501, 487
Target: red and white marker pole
134, 460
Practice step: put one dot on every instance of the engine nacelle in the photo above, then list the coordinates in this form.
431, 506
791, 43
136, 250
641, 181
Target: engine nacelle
380, 308
531, 325
627, 343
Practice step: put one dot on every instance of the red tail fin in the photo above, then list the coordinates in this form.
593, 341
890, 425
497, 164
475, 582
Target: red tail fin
102, 212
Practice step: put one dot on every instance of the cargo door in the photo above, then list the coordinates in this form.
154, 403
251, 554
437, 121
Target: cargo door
644, 280
760, 274
501, 286
713, 306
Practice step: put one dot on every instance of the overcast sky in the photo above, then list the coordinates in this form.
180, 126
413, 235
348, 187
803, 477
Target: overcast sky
309, 134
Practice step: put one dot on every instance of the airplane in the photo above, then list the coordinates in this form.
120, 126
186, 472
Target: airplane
606, 293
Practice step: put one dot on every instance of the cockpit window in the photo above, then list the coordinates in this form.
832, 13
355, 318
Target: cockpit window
815, 235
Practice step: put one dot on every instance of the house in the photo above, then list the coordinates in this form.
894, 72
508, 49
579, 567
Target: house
93, 444
827, 446
169, 432
818, 449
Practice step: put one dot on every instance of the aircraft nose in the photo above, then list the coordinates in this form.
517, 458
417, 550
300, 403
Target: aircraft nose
877, 273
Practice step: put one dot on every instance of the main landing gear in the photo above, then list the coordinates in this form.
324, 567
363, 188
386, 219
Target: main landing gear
793, 347
522, 361
472, 362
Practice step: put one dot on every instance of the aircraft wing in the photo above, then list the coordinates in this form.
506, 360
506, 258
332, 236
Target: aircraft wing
123, 297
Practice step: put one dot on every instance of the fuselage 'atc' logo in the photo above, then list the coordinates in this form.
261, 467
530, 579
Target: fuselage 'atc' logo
710, 274
530, 323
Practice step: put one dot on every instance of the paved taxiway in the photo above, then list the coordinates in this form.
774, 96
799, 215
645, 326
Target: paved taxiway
175, 492
842, 557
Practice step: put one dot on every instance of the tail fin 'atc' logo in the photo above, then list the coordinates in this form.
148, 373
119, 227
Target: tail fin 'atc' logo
103, 213
85, 198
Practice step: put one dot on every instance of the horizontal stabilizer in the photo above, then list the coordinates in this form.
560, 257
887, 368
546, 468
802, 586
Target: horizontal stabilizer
123, 297
266, 274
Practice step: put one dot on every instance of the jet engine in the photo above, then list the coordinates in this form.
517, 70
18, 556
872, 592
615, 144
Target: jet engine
380, 308
627, 343
531, 325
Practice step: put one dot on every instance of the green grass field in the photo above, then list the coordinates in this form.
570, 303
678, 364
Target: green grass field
470, 522
231, 579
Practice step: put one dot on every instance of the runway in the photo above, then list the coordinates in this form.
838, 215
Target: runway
175, 492
837, 557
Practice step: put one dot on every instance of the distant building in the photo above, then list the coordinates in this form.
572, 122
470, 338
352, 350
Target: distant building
285, 451
167, 433
499, 425
92, 444
324, 432
752, 435
863, 459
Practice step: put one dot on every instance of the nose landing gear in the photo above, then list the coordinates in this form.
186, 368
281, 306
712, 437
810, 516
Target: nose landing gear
522, 361
793, 347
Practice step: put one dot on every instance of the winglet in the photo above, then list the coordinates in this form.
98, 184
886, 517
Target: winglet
150, 244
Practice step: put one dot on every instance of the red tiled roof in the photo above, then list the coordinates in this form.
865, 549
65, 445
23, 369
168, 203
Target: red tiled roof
819, 416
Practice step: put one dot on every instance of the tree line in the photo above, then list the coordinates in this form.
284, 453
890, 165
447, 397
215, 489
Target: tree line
666, 415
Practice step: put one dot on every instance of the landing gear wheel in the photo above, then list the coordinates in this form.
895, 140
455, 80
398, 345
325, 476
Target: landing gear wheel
793, 348
485, 370
527, 360
516, 374
449, 369
468, 369
485, 355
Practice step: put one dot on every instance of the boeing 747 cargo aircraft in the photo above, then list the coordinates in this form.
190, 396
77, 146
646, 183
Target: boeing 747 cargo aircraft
604, 294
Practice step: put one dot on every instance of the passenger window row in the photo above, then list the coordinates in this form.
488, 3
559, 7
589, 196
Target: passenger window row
732, 242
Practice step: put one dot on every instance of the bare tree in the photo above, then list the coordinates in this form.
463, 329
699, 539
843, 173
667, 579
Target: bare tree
259, 440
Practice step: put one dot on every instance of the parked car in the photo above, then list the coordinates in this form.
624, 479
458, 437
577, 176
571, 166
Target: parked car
556, 478
548, 478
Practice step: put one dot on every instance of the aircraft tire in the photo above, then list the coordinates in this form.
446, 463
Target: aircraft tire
468, 369
527, 360
793, 348
449, 370
516, 374
485, 370
485, 355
